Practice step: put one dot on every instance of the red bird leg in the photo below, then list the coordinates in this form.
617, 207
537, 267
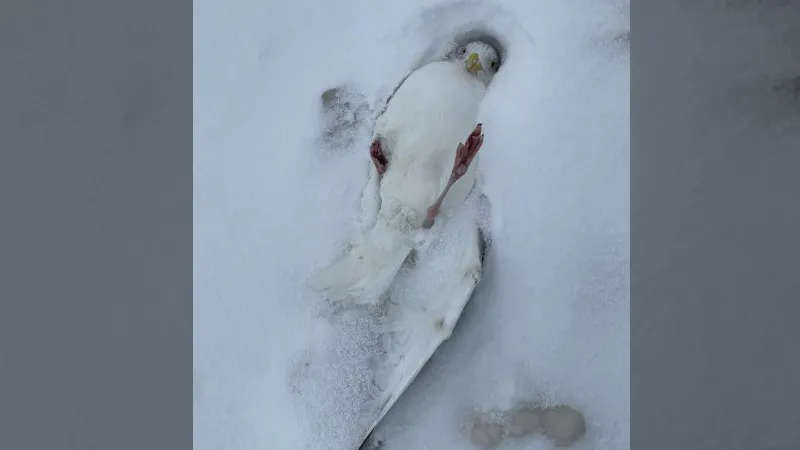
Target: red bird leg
378, 157
465, 153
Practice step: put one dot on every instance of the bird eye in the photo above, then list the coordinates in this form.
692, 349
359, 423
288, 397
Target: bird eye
494, 65
461, 50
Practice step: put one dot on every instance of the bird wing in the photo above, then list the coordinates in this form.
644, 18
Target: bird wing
424, 306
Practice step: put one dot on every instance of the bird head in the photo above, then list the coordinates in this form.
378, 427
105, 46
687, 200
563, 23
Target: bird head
480, 60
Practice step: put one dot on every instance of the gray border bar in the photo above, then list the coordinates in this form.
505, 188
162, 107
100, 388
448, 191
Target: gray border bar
96, 229
715, 196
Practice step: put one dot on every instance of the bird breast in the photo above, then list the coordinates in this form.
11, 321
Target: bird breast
430, 114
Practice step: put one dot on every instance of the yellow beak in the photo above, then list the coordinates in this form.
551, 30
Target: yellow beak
473, 64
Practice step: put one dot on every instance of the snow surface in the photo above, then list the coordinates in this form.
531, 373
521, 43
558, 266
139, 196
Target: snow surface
549, 321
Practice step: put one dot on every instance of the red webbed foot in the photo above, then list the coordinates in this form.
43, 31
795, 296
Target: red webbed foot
465, 153
378, 157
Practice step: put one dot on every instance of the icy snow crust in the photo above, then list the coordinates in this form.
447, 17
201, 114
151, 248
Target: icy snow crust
275, 368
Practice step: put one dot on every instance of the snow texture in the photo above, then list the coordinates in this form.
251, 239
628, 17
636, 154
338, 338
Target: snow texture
274, 367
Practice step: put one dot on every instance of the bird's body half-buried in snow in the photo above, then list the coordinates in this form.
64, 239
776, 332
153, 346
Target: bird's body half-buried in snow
422, 152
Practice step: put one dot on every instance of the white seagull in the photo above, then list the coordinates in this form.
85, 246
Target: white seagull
420, 169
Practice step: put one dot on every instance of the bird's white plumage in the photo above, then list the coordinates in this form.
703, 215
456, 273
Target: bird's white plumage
432, 112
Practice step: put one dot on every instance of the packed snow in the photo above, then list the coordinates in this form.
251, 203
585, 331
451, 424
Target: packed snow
549, 322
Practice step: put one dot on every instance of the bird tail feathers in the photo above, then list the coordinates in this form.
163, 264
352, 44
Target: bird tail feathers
366, 270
